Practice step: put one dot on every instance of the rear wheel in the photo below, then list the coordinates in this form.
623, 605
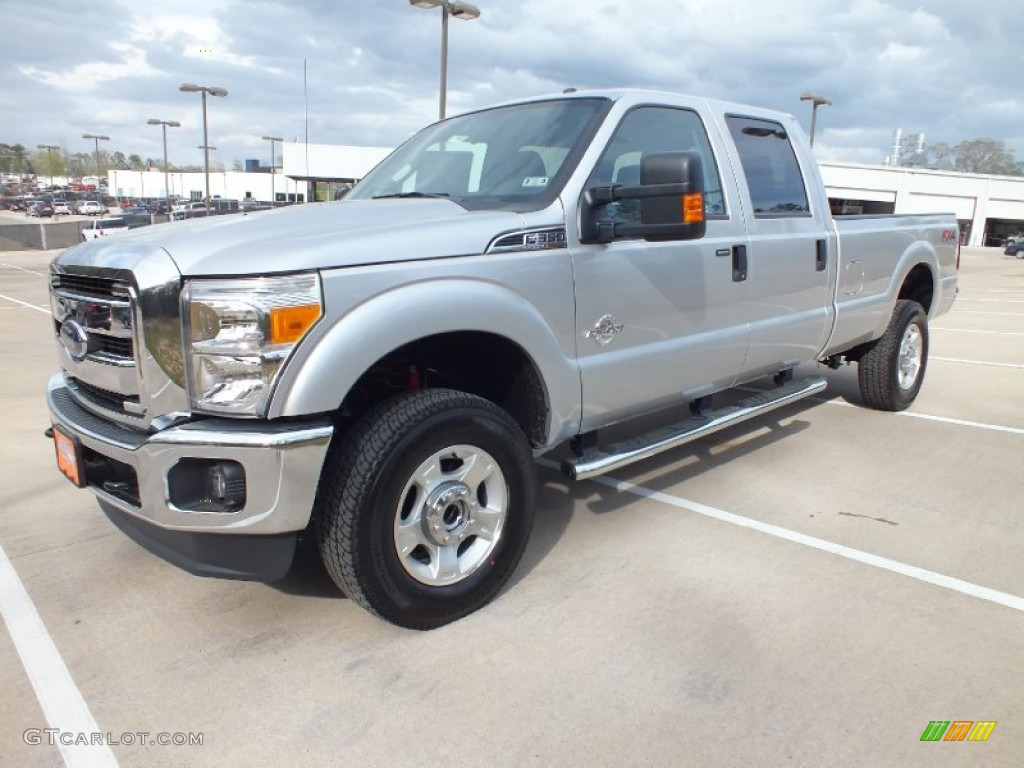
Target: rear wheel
891, 373
425, 508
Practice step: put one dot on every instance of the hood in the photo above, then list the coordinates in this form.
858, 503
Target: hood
324, 235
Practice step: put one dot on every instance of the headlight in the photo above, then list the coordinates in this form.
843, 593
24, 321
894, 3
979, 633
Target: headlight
238, 335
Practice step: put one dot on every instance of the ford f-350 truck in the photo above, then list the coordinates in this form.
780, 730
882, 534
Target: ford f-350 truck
383, 371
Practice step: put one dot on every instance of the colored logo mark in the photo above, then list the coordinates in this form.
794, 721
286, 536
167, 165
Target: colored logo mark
958, 730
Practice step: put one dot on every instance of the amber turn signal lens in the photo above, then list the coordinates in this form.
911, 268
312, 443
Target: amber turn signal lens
693, 208
288, 324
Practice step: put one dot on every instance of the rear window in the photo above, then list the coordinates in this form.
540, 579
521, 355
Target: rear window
773, 175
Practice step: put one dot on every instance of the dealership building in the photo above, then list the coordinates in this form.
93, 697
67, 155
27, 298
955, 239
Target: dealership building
989, 208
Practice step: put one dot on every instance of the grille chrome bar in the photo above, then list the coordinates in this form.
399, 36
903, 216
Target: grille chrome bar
120, 349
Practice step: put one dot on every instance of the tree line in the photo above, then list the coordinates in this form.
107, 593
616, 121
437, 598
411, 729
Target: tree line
18, 159
988, 156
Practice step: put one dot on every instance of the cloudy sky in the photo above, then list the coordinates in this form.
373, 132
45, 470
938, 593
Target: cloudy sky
951, 69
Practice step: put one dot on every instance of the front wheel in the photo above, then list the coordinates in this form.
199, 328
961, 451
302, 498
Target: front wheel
891, 373
425, 508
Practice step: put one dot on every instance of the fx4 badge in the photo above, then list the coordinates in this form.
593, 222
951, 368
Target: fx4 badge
604, 330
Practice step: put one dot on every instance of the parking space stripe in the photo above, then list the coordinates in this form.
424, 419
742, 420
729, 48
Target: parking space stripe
992, 301
877, 561
975, 362
59, 697
910, 414
928, 417
990, 314
972, 330
22, 269
25, 304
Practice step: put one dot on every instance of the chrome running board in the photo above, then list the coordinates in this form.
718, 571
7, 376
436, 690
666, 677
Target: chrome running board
598, 461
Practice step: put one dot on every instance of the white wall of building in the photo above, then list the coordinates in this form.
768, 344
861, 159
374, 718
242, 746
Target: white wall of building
330, 161
972, 197
227, 184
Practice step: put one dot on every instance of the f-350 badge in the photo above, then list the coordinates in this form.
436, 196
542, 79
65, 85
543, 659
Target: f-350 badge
604, 330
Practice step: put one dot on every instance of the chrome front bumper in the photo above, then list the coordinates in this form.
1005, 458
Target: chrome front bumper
282, 466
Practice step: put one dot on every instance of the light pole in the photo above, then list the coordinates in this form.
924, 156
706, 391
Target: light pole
213, 91
460, 10
49, 159
98, 139
816, 101
164, 124
273, 186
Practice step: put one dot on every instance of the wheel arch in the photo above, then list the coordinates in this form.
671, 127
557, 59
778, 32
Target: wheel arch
509, 355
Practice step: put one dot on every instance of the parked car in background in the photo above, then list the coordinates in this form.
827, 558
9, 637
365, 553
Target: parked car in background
93, 208
1015, 248
189, 211
41, 208
104, 227
62, 208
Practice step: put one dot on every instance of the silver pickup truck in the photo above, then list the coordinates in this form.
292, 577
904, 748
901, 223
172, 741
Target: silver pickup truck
381, 372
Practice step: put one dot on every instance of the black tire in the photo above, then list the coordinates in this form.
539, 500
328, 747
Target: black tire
367, 490
884, 371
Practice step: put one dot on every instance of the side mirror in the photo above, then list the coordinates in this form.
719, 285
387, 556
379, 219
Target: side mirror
671, 195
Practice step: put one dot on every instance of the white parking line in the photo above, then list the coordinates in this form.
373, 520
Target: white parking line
972, 330
990, 314
25, 304
59, 697
927, 417
912, 571
976, 362
22, 269
992, 301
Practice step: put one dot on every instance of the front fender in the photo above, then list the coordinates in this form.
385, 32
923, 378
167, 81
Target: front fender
339, 352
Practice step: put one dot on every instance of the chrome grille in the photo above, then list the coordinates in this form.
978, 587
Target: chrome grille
102, 398
118, 332
84, 285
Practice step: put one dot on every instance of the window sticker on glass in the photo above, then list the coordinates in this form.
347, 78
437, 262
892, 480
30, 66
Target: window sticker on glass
535, 181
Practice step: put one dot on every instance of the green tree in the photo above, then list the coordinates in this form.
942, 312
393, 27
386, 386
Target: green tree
236, 165
985, 156
135, 163
48, 162
118, 161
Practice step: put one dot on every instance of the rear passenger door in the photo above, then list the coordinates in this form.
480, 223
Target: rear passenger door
790, 253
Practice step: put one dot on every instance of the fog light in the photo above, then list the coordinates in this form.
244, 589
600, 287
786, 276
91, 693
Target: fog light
207, 485
225, 484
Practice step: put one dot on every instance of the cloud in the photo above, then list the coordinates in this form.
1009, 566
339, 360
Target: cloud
944, 68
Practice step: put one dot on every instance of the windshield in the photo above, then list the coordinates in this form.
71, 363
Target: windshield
513, 158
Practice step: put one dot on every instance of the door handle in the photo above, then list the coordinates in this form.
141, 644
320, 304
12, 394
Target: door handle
739, 263
820, 255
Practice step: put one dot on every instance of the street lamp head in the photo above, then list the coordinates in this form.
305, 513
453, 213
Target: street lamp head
168, 123
272, 138
189, 88
427, 3
154, 121
465, 11
215, 91
95, 136
172, 124
819, 101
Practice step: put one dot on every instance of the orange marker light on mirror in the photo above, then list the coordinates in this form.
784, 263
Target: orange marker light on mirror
289, 324
693, 208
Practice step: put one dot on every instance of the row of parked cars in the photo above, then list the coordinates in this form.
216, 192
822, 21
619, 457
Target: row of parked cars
41, 208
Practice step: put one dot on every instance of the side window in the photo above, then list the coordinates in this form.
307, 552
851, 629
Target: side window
769, 163
646, 130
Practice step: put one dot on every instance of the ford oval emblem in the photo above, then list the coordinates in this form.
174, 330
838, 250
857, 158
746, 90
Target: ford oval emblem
75, 340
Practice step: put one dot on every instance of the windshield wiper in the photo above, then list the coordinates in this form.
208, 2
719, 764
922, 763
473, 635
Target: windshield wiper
411, 194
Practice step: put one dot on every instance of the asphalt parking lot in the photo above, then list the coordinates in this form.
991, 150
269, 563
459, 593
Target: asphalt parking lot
809, 589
